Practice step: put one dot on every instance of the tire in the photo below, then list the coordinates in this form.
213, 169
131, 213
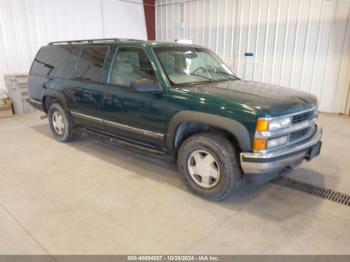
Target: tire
61, 123
216, 149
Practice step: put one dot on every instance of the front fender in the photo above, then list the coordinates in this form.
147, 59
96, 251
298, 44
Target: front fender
232, 126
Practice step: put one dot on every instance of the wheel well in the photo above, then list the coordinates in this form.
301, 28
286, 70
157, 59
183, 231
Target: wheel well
48, 101
187, 129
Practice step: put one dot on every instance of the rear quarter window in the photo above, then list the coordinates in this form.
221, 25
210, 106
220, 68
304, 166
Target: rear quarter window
54, 61
91, 63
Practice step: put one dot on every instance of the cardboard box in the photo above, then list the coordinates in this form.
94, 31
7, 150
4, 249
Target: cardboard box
5, 111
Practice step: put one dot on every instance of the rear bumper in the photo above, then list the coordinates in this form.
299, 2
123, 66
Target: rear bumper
36, 104
260, 163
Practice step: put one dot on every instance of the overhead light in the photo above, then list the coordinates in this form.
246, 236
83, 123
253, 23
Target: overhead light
184, 41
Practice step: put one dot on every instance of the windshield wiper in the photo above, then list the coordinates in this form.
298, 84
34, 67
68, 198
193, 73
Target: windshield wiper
227, 74
205, 77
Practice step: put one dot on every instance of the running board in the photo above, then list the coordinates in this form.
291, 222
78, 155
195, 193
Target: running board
120, 142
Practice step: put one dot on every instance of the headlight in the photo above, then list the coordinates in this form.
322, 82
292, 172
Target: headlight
264, 125
279, 123
277, 141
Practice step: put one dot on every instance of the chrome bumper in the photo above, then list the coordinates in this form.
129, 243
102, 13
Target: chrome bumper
260, 163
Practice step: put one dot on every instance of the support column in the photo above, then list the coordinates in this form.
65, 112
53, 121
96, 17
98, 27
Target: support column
150, 17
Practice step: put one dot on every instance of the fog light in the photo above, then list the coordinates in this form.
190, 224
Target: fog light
277, 141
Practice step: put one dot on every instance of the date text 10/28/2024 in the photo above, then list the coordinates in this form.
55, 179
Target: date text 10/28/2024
173, 258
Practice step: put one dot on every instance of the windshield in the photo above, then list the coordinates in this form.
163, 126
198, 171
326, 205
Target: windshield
189, 65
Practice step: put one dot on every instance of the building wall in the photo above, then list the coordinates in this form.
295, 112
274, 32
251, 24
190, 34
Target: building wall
302, 44
25, 25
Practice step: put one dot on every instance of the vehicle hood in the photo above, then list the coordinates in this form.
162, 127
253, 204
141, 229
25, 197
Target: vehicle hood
267, 99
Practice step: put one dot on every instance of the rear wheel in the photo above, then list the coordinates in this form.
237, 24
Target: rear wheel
209, 162
61, 124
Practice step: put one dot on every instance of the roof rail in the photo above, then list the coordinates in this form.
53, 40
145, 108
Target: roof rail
91, 41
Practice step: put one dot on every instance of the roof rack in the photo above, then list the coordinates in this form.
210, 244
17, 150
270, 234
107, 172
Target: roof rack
92, 41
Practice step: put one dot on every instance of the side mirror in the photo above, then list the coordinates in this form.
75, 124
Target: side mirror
146, 85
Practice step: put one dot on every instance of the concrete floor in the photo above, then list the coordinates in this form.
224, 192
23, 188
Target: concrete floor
88, 198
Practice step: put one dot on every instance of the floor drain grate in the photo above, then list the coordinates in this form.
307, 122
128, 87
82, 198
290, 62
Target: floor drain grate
320, 192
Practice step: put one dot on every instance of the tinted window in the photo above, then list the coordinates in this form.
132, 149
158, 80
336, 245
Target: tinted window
131, 64
91, 63
54, 61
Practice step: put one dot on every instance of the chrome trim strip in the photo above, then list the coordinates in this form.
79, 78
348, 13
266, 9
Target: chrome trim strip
121, 126
96, 119
134, 129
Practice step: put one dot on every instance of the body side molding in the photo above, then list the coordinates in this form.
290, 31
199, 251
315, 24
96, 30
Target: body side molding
120, 126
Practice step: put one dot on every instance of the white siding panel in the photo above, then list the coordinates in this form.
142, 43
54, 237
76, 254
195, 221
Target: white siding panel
122, 19
302, 44
25, 25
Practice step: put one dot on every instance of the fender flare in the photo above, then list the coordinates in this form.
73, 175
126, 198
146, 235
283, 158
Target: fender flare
232, 126
55, 94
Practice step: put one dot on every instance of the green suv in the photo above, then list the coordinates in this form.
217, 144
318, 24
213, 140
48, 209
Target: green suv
176, 100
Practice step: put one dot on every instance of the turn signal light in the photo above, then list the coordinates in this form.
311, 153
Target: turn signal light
260, 144
262, 125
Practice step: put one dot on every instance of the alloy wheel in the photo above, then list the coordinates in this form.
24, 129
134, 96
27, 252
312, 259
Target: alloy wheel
204, 168
58, 122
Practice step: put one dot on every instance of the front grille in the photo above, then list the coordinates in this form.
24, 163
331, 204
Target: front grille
296, 135
303, 117
298, 119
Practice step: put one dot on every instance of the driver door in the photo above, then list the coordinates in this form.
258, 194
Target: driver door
134, 115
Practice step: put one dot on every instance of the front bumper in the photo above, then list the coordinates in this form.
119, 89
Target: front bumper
260, 163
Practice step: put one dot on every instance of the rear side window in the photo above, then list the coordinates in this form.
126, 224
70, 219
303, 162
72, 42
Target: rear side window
54, 61
91, 63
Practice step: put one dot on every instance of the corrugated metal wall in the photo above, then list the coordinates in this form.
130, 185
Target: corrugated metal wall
25, 25
303, 44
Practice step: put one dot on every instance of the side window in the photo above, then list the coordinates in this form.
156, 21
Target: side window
130, 64
91, 63
54, 61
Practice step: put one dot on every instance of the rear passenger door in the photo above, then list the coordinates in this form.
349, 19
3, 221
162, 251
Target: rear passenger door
87, 86
138, 116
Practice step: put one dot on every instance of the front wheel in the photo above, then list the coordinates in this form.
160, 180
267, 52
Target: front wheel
61, 124
210, 165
